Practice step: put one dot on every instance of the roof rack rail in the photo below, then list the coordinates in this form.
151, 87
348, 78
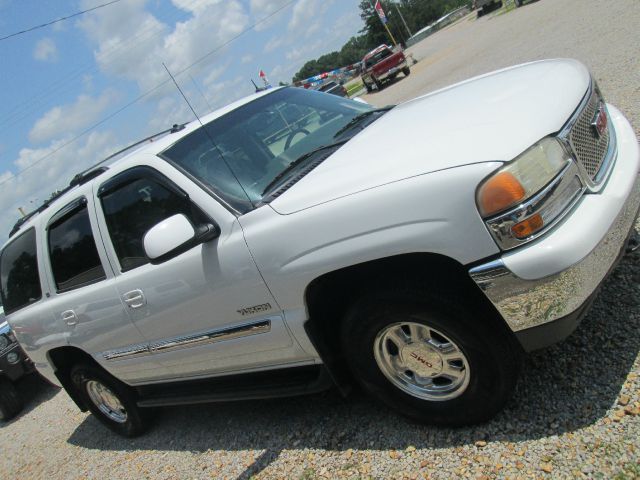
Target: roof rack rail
175, 128
84, 177
91, 173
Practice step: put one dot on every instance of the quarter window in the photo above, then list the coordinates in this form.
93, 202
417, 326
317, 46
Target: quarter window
19, 279
74, 257
134, 208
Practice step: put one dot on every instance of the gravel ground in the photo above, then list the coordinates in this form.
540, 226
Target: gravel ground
576, 411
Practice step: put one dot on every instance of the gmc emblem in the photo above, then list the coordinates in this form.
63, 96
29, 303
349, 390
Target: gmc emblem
421, 360
600, 122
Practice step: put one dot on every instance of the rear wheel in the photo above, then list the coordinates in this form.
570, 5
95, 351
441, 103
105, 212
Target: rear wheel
378, 84
406, 71
10, 401
368, 87
112, 402
430, 358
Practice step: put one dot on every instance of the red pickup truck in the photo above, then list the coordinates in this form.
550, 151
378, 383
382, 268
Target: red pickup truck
382, 64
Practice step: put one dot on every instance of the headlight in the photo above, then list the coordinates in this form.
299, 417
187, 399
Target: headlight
13, 358
4, 342
529, 194
522, 178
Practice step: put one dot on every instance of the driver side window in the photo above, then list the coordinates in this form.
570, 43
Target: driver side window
134, 207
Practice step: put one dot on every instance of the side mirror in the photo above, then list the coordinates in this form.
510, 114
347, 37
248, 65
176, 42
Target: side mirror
173, 236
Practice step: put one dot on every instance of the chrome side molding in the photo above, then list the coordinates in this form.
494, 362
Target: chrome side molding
187, 341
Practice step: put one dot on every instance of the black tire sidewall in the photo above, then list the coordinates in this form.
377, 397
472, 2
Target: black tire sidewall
491, 380
10, 401
137, 421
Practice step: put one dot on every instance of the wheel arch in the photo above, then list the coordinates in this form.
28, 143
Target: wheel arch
328, 297
62, 360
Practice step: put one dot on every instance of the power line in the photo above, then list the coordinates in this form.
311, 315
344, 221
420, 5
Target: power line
36, 27
22, 111
147, 93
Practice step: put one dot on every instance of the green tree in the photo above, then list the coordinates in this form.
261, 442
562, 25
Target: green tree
417, 13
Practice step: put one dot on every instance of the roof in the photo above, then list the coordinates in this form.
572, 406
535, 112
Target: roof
376, 50
151, 145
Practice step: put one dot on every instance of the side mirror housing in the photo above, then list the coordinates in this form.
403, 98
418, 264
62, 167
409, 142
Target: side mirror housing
173, 236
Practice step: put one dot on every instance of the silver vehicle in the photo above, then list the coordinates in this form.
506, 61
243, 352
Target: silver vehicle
300, 240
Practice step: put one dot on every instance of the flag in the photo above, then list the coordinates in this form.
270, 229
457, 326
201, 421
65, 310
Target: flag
383, 17
264, 78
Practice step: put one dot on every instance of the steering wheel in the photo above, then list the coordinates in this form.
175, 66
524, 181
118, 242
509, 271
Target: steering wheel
292, 134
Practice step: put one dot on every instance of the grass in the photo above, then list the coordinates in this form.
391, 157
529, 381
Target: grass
354, 86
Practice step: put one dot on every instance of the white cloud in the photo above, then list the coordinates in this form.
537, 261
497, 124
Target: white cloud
45, 50
247, 58
274, 43
66, 119
262, 9
128, 40
215, 74
35, 185
132, 43
305, 16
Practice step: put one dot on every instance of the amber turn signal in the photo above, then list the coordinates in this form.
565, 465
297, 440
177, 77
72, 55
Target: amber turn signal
499, 193
528, 227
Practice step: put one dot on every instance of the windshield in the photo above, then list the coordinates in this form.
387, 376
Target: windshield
327, 86
371, 61
242, 152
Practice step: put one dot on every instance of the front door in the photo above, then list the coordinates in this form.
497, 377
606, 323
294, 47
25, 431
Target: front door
204, 311
84, 300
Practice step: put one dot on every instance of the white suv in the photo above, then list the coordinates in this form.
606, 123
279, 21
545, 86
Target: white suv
300, 240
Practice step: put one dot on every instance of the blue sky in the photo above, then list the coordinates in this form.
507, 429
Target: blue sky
60, 80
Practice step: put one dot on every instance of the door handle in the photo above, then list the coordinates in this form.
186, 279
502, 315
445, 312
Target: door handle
134, 298
70, 318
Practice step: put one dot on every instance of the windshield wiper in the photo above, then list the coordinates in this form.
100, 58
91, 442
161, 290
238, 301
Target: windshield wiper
359, 118
298, 161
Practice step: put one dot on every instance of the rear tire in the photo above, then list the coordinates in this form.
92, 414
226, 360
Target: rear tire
10, 401
111, 402
464, 374
406, 71
368, 87
378, 84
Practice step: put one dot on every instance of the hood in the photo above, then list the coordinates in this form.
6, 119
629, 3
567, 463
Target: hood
494, 117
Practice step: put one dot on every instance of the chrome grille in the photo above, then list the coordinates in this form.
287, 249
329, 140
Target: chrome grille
589, 150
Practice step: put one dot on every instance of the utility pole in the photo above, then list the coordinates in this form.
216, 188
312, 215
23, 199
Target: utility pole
403, 21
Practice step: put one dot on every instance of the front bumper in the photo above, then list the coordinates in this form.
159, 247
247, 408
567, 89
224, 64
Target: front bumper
13, 371
555, 277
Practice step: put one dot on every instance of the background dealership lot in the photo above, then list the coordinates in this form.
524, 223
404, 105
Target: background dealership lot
575, 413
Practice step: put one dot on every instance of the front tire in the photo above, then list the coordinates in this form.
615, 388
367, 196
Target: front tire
429, 358
110, 401
10, 401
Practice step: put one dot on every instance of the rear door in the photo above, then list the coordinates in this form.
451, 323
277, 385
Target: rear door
206, 310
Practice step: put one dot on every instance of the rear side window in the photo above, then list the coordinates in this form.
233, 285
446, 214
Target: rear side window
19, 277
132, 209
72, 249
